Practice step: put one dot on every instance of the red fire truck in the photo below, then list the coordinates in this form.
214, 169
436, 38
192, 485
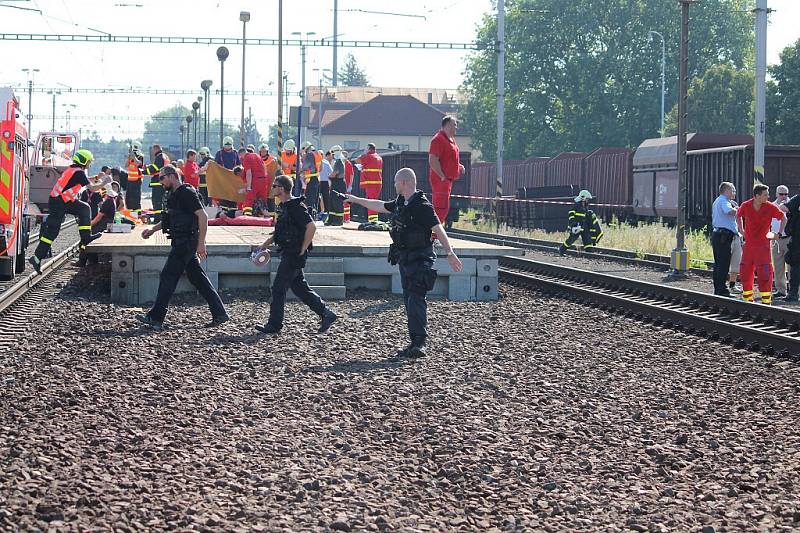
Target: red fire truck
15, 220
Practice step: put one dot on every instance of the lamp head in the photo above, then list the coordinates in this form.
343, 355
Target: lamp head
188, 119
222, 53
244, 16
195, 105
206, 84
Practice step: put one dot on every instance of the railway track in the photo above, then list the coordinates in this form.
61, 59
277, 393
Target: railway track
610, 254
760, 328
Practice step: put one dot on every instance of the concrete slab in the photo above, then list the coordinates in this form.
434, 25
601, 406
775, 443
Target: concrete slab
342, 258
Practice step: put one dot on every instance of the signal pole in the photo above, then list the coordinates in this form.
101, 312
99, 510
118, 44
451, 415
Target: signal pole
679, 259
761, 100
501, 92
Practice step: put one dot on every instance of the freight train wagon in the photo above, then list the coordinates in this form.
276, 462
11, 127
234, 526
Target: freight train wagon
418, 161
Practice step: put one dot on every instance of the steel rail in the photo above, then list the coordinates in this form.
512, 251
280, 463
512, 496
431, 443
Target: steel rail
756, 327
610, 254
17, 291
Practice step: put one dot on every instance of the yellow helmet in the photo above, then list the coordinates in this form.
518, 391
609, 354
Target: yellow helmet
82, 157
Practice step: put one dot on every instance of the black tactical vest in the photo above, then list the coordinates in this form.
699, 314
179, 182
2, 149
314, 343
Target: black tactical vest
178, 223
405, 232
288, 233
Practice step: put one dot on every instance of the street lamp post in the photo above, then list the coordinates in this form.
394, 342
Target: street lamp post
30, 72
222, 55
181, 129
206, 85
244, 16
189, 120
663, 74
195, 110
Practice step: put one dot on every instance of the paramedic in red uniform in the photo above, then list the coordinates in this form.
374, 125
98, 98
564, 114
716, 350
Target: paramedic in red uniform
255, 175
754, 219
371, 177
445, 168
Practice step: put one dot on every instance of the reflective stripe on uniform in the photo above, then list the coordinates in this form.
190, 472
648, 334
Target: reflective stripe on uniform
84, 227
45, 240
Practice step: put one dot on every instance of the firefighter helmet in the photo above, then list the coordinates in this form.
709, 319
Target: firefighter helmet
205, 150
336, 148
227, 141
583, 195
137, 146
82, 157
306, 144
289, 145
263, 146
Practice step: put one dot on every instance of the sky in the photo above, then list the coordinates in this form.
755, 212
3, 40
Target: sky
184, 66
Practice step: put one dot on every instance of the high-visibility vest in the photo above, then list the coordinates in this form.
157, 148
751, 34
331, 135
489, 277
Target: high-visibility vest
67, 195
134, 172
287, 162
314, 173
153, 169
371, 171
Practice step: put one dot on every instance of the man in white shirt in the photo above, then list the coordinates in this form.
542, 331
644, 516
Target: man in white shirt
780, 245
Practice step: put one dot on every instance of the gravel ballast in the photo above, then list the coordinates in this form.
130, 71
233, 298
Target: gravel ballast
531, 413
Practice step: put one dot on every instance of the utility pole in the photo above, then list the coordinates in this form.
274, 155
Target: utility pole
206, 85
761, 79
30, 72
501, 84
54, 93
280, 77
195, 111
244, 16
679, 259
335, 41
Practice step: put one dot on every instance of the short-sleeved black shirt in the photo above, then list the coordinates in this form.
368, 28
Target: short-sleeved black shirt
184, 198
421, 211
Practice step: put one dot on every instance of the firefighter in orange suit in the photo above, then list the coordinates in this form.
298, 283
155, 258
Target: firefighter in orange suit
371, 177
65, 200
135, 169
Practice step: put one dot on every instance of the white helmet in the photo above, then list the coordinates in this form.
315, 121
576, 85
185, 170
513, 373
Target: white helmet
583, 195
336, 148
289, 145
136, 145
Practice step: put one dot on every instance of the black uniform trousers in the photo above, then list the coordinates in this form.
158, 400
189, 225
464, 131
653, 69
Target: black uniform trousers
204, 189
721, 241
417, 277
133, 195
58, 210
290, 275
183, 258
158, 198
336, 206
325, 194
312, 195
585, 234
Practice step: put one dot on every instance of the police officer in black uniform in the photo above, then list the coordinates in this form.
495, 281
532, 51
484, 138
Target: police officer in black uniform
293, 234
412, 221
185, 222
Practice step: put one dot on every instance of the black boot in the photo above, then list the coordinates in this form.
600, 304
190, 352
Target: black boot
562, 250
417, 348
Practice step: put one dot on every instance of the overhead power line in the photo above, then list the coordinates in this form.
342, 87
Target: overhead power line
153, 39
144, 90
126, 117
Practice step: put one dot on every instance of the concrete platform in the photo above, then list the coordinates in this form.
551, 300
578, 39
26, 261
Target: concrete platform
343, 258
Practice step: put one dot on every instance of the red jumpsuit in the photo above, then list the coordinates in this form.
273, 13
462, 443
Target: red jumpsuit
349, 172
446, 150
757, 252
371, 179
258, 183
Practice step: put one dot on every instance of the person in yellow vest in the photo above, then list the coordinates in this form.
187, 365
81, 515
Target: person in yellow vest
135, 170
371, 166
273, 170
65, 199
159, 161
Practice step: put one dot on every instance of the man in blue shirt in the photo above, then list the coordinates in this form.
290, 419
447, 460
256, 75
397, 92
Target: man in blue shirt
723, 219
227, 156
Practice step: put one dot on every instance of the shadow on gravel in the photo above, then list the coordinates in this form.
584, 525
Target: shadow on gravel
357, 366
251, 335
133, 331
376, 309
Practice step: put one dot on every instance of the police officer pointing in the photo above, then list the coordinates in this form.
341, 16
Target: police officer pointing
413, 219
293, 234
185, 222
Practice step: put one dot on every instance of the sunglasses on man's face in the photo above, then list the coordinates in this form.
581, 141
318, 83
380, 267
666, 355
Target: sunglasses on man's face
783, 194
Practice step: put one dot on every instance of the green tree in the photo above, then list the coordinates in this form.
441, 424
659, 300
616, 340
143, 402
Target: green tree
721, 101
580, 75
783, 98
164, 128
351, 75
272, 137
112, 153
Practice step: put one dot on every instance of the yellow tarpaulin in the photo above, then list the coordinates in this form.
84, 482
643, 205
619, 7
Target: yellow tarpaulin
223, 183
